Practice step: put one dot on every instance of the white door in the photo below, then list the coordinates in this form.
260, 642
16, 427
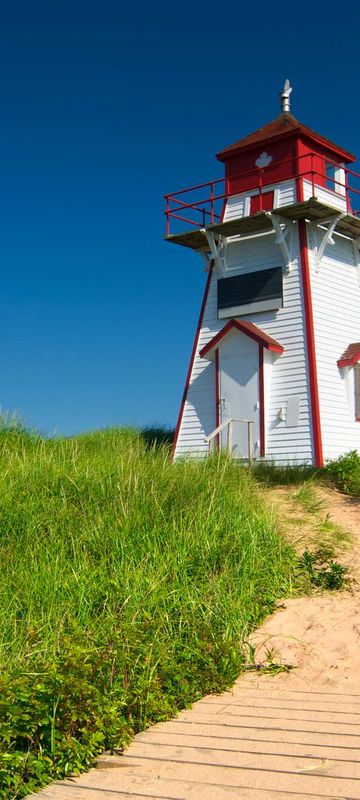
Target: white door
239, 391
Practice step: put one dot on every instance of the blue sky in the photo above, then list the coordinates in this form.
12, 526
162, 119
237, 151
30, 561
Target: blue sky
106, 106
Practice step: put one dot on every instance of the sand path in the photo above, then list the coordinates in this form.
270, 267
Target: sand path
292, 736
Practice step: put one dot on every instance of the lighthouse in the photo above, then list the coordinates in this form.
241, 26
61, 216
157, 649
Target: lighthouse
274, 372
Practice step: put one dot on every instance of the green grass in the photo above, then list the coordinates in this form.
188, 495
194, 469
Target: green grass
271, 474
306, 496
129, 588
332, 535
302, 481
344, 472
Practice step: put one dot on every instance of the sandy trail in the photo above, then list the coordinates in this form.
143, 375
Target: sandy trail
292, 736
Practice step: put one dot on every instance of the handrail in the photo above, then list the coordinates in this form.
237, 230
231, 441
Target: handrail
254, 171
229, 424
218, 429
208, 202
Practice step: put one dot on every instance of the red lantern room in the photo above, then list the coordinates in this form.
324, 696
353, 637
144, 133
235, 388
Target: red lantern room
282, 163
288, 150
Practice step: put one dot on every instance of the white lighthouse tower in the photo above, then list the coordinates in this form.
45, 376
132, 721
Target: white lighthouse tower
275, 368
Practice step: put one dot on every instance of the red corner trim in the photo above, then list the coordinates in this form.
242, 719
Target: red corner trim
310, 345
249, 329
299, 181
192, 357
261, 401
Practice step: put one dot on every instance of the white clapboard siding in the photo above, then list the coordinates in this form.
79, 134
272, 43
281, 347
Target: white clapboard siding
324, 195
239, 205
336, 309
199, 412
288, 372
235, 207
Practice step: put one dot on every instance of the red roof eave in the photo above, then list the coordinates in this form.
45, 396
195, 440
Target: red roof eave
333, 148
247, 328
351, 356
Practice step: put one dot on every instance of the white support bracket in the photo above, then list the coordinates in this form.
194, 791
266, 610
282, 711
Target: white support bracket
216, 249
327, 237
356, 250
283, 232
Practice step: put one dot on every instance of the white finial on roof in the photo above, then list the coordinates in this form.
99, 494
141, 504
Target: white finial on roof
285, 97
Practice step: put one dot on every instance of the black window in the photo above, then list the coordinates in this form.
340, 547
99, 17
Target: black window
251, 292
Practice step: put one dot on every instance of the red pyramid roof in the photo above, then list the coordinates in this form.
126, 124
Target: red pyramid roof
283, 125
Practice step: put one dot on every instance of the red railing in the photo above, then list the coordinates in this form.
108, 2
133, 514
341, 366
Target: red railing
203, 205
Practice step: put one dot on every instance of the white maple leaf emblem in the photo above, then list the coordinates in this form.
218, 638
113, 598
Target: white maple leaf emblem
264, 160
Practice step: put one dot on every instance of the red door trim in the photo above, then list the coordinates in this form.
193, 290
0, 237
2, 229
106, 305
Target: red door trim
192, 357
261, 401
310, 346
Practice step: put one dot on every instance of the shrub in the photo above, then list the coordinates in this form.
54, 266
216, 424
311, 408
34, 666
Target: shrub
321, 571
157, 435
345, 472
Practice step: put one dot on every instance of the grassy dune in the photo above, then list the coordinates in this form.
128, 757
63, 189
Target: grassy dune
129, 586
